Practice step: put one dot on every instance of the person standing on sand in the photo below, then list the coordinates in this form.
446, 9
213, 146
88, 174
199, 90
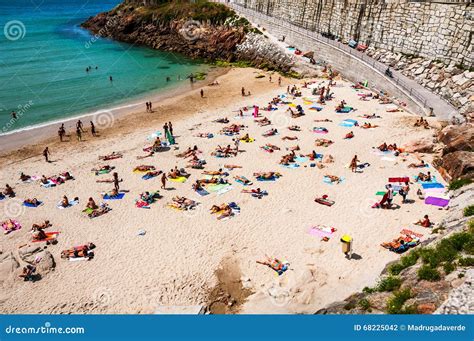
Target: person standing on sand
243, 92
270, 78
79, 126
116, 182
79, 134
61, 132
202, 93
163, 181
404, 192
151, 106
389, 196
165, 129
93, 131
170, 127
46, 154
279, 81
147, 107
353, 164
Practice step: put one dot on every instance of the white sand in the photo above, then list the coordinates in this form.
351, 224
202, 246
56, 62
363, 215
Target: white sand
174, 263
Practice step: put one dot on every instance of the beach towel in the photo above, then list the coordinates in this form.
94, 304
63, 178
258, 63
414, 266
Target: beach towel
329, 182
49, 184
202, 192
142, 204
434, 191
49, 236
247, 183
149, 176
170, 138
382, 193
117, 197
320, 130
303, 158
433, 180
27, 204
441, 202
181, 179
349, 123
432, 185
316, 108
16, 226
250, 140
402, 179
214, 188
291, 165
2, 196
345, 110
411, 233
71, 203
263, 180
325, 202
321, 231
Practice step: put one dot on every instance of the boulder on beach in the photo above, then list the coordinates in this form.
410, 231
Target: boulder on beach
423, 145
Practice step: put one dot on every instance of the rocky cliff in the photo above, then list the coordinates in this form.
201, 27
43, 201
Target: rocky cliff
197, 29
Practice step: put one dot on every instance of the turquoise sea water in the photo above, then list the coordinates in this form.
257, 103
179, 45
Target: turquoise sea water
44, 55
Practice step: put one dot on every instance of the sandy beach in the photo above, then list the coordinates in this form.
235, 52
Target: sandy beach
176, 260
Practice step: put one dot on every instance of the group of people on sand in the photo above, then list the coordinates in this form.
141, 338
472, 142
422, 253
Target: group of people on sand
422, 123
391, 147
79, 131
149, 107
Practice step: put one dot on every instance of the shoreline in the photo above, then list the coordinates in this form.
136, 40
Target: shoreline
45, 133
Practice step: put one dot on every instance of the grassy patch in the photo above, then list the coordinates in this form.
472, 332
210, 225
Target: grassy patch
469, 211
396, 302
428, 273
467, 261
364, 304
456, 184
406, 261
449, 267
389, 283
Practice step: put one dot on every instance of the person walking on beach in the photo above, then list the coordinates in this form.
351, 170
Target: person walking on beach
151, 106
61, 132
279, 81
389, 196
243, 92
270, 78
93, 131
404, 192
170, 127
163, 181
147, 107
202, 93
116, 182
46, 154
79, 134
165, 129
79, 126
353, 164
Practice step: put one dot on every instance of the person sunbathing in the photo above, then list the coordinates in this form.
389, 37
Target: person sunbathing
103, 209
393, 147
39, 234
287, 159
270, 147
385, 100
65, 202
349, 135
10, 225
425, 222
42, 226
219, 172
323, 142
367, 125
148, 198
82, 251
221, 208
112, 194
231, 167
289, 138
24, 177
222, 120
424, 177
197, 186
270, 132
383, 147
325, 120
66, 176
243, 180
257, 191
313, 155
224, 151
275, 264
34, 202
294, 128
27, 273
370, 116
91, 204
103, 168
419, 123
144, 168
333, 178
183, 203
112, 156
204, 135
422, 164
8, 191
267, 175
245, 138
263, 122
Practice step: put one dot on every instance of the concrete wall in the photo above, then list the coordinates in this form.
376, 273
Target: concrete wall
428, 29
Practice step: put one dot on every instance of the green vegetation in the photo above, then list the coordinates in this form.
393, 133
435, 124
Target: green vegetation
456, 184
469, 211
395, 305
428, 273
406, 261
364, 304
449, 267
240, 63
389, 283
467, 261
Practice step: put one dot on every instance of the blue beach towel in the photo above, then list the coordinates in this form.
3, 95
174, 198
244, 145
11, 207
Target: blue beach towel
202, 192
432, 185
117, 197
27, 204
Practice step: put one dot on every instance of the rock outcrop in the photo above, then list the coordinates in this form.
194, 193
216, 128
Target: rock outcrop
229, 39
